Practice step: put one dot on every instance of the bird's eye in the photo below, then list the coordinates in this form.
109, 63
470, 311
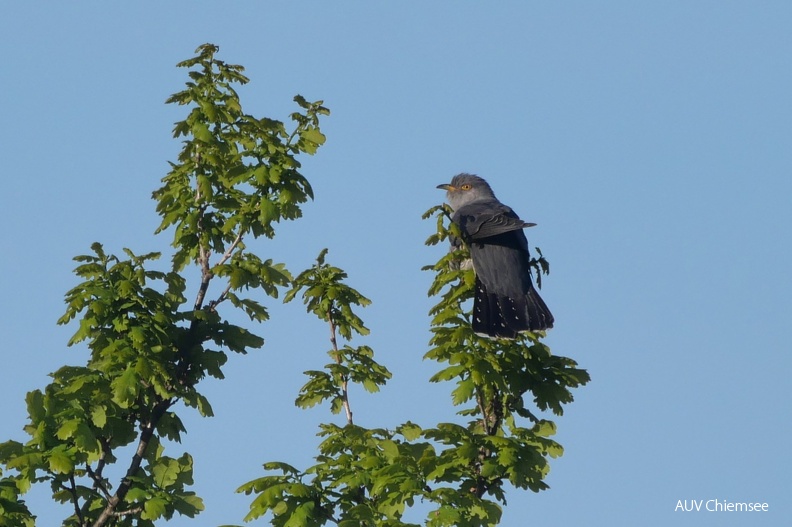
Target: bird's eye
465, 187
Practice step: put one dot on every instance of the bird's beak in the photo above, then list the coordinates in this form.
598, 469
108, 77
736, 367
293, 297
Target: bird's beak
446, 186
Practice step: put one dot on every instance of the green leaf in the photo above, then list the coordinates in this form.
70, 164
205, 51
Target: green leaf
280, 508
268, 212
545, 428
60, 461
302, 516
283, 467
204, 408
166, 472
125, 387
464, 391
10, 450
188, 504
201, 132
85, 439
99, 416
35, 405
314, 135
389, 449
153, 508
370, 386
410, 431
67, 429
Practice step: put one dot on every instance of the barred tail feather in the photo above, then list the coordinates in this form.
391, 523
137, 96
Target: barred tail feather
539, 315
502, 316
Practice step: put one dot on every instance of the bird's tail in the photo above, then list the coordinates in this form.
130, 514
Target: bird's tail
539, 315
502, 316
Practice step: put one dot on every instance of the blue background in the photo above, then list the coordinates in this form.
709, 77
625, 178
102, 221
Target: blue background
649, 141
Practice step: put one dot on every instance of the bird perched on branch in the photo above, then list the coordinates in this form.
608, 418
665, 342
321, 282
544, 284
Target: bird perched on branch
505, 302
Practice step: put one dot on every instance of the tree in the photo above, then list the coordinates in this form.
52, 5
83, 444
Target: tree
369, 476
235, 178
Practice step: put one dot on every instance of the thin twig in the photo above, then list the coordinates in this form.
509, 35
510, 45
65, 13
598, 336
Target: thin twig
229, 252
344, 392
98, 484
220, 299
75, 499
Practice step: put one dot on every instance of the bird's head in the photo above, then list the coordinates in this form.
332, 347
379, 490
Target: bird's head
466, 188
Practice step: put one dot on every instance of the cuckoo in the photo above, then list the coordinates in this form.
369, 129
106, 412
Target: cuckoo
505, 301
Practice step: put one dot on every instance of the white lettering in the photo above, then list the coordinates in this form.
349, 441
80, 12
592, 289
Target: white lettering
734, 506
688, 507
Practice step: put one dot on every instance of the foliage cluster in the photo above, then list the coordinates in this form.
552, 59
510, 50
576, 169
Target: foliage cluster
236, 177
370, 476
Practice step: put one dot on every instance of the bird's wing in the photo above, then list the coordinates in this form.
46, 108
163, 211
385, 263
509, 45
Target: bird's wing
489, 218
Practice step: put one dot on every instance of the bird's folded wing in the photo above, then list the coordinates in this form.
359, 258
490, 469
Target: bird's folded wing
483, 224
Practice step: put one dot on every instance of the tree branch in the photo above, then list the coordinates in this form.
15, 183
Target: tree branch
100, 465
98, 484
75, 499
344, 382
136, 510
482, 409
220, 299
206, 277
146, 434
229, 252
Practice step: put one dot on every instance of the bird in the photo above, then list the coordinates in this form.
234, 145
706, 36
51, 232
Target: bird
505, 302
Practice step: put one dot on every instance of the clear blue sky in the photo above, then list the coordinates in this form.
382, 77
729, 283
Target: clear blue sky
651, 142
